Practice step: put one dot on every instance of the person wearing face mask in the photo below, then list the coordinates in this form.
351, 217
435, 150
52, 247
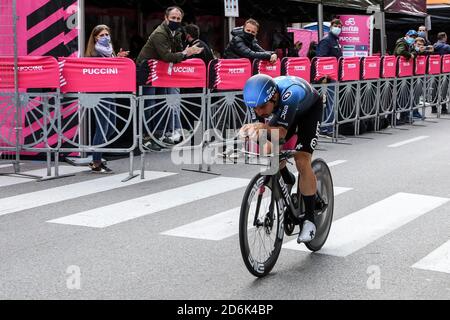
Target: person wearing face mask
192, 32
405, 46
100, 46
165, 44
244, 44
422, 32
329, 46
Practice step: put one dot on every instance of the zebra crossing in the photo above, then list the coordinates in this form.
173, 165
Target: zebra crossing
348, 235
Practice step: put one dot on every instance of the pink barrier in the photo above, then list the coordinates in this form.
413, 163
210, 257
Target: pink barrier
371, 68
325, 66
405, 67
349, 69
97, 75
389, 69
434, 64
190, 73
33, 72
299, 67
446, 63
229, 74
265, 67
420, 65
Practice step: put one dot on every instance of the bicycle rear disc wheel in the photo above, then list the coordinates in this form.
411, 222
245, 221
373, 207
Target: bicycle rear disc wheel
324, 219
261, 226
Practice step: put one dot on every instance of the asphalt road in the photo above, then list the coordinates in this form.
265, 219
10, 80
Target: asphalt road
174, 234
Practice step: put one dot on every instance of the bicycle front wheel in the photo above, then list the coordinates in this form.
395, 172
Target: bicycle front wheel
261, 226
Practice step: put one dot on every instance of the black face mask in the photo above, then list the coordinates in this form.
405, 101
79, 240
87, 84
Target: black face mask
173, 25
248, 36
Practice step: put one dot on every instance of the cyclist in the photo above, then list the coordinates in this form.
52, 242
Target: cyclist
291, 106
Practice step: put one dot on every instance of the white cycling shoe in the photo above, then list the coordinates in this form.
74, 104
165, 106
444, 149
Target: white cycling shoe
308, 232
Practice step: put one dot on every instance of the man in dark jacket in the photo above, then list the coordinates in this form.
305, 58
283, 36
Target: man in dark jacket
329, 47
192, 32
441, 47
405, 46
244, 44
164, 44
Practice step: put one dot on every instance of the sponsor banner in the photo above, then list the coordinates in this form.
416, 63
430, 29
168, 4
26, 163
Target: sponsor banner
389, 67
325, 66
229, 74
298, 67
355, 36
265, 67
421, 65
33, 73
446, 63
97, 75
190, 73
405, 67
371, 68
350, 68
434, 64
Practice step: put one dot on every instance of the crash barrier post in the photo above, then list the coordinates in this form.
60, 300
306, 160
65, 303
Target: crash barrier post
93, 118
405, 94
434, 85
388, 92
445, 84
419, 85
348, 94
369, 92
29, 108
325, 77
171, 105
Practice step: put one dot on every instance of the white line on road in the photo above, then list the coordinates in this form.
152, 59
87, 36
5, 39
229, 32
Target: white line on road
71, 191
359, 229
7, 165
127, 210
336, 163
12, 180
402, 143
438, 260
219, 226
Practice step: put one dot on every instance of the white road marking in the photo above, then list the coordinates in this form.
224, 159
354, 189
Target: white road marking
12, 180
438, 260
402, 143
336, 163
219, 226
127, 210
71, 191
357, 230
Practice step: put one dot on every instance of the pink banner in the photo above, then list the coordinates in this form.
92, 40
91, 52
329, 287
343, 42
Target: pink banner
265, 67
371, 68
434, 64
190, 73
420, 65
325, 66
355, 35
298, 67
305, 37
98, 75
446, 63
350, 69
389, 67
405, 67
33, 72
229, 74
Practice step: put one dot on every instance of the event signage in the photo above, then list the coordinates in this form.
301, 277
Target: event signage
355, 38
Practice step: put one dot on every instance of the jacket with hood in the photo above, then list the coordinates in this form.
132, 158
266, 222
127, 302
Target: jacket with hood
244, 46
441, 48
402, 48
163, 45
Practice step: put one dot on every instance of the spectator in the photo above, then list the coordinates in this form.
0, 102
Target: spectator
99, 45
244, 44
421, 48
312, 50
295, 50
165, 44
329, 47
422, 32
404, 46
192, 32
441, 47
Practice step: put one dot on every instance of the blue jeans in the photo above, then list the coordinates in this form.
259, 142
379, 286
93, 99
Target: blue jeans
104, 128
165, 120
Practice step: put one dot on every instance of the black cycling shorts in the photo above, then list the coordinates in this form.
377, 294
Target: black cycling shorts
307, 128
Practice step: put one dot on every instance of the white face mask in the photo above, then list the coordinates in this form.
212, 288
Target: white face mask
336, 31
